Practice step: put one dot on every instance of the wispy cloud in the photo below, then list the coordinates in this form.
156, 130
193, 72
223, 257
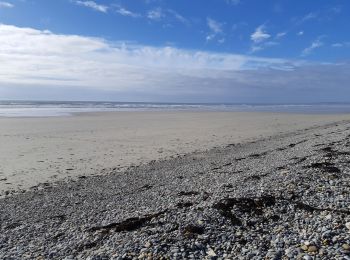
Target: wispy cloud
256, 48
300, 33
156, 14
125, 12
30, 57
259, 39
321, 15
280, 35
6, 5
263, 45
215, 28
152, 1
314, 45
336, 9
341, 44
309, 16
166, 15
260, 34
178, 17
233, 2
93, 5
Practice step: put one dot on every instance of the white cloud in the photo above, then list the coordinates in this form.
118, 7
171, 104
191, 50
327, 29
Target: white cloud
125, 12
341, 44
337, 45
30, 57
93, 5
256, 48
259, 39
33, 56
262, 46
168, 15
301, 33
6, 5
280, 35
309, 16
179, 17
314, 45
155, 14
215, 28
260, 35
323, 14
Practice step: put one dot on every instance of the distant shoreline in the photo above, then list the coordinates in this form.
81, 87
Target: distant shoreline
65, 108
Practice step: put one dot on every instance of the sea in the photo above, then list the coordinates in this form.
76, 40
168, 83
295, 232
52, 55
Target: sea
13, 108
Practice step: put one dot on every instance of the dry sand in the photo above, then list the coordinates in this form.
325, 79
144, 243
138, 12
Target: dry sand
282, 197
39, 150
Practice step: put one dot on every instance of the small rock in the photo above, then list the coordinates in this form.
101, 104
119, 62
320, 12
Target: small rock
307, 257
211, 252
304, 247
148, 244
346, 247
347, 225
312, 249
200, 222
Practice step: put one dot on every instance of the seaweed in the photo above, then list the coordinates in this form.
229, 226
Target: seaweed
193, 230
129, 224
187, 193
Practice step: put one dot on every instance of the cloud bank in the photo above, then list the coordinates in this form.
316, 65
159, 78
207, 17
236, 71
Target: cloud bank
36, 59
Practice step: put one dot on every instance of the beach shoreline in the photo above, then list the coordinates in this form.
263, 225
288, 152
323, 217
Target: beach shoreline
38, 151
285, 195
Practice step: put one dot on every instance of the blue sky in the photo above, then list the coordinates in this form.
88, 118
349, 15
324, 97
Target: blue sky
181, 51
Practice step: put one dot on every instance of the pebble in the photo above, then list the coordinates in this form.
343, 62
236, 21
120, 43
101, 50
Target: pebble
211, 252
346, 247
307, 257
148, 244
304, 247
228, 224
312, 249
347, 224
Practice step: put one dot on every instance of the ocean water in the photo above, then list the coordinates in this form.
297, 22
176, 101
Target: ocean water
61, 108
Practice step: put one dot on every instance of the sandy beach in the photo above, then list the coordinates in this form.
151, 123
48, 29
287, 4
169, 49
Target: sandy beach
38, 151
185, 130
280, 197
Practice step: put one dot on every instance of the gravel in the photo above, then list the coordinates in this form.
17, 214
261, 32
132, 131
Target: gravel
283, 197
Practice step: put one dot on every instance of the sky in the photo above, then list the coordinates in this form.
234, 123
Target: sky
232, 51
